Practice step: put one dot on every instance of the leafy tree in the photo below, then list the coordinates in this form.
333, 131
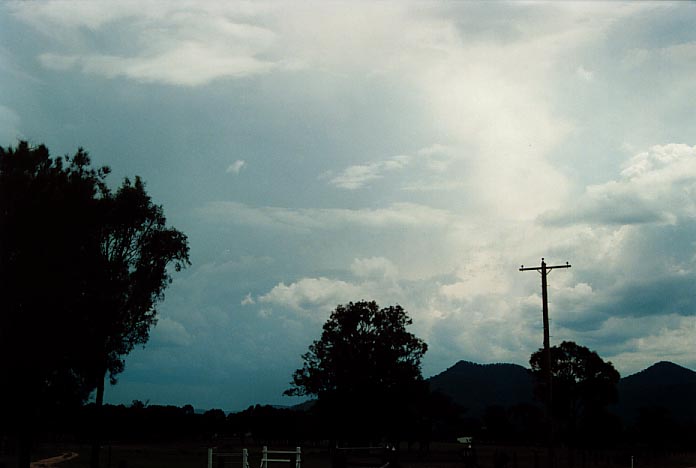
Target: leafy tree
135, 251
365, 370
583, 386
81, 270
48, 209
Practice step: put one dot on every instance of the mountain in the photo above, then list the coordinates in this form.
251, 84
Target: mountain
663, 385
477, 386
304, 406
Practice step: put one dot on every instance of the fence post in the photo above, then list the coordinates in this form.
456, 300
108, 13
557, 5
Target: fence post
264, 457
210, 457
297, 458
245, 458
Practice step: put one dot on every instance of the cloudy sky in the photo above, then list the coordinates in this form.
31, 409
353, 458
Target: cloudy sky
410, 153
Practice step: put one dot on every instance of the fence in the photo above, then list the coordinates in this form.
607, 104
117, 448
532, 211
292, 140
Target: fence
224, 457
295, 459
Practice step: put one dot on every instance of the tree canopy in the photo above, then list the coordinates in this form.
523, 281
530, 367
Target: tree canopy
48, 213
82, 268
365, 366
135, 250
583, 386
47, 218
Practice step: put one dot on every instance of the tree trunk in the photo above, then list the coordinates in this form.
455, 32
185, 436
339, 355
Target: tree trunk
97, 422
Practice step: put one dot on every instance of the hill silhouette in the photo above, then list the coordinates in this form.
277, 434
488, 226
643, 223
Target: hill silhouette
663, 385
477, 386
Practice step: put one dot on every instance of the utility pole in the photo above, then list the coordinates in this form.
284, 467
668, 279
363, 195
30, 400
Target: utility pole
544, 270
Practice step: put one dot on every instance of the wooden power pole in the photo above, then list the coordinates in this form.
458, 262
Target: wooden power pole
544, 270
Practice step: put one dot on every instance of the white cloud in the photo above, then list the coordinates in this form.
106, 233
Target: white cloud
170, 332
656, 186
671, 339
236, 167
173, 44
92, 15
373, 267
374, 278
248, 300
397, 214
311, 292
434, 159
477, 277
357, 176
190, 64
437, 157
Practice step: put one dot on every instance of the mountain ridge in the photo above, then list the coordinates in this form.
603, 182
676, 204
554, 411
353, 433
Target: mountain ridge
474, 386
478, 386
663, 385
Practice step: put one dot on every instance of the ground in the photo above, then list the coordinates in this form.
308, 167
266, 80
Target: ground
194, 455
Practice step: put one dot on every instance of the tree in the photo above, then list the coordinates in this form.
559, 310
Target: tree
135, 251
583, 386
365, 370
81, 269
48, 209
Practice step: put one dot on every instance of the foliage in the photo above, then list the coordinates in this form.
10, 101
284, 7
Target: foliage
79, 260
135, 250
583, 385
365, 367
362, 347
81, 270
47, 212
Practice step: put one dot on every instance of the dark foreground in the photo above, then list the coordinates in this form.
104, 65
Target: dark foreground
441, 455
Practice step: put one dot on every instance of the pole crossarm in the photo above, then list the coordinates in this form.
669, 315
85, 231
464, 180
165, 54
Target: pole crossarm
539, 268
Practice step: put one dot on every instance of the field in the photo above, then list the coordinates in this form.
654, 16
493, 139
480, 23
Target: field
441, 455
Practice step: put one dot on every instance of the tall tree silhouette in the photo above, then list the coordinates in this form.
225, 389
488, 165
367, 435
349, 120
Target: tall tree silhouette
81, 270
48, 210
136, 249
365, 370
583, 385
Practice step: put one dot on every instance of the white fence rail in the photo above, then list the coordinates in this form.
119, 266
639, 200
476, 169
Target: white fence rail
269, 456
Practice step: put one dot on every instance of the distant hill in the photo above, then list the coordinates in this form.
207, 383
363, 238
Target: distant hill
477, 386
662, 385
304, 406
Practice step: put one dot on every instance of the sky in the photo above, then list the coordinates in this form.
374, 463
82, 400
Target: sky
412, 153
